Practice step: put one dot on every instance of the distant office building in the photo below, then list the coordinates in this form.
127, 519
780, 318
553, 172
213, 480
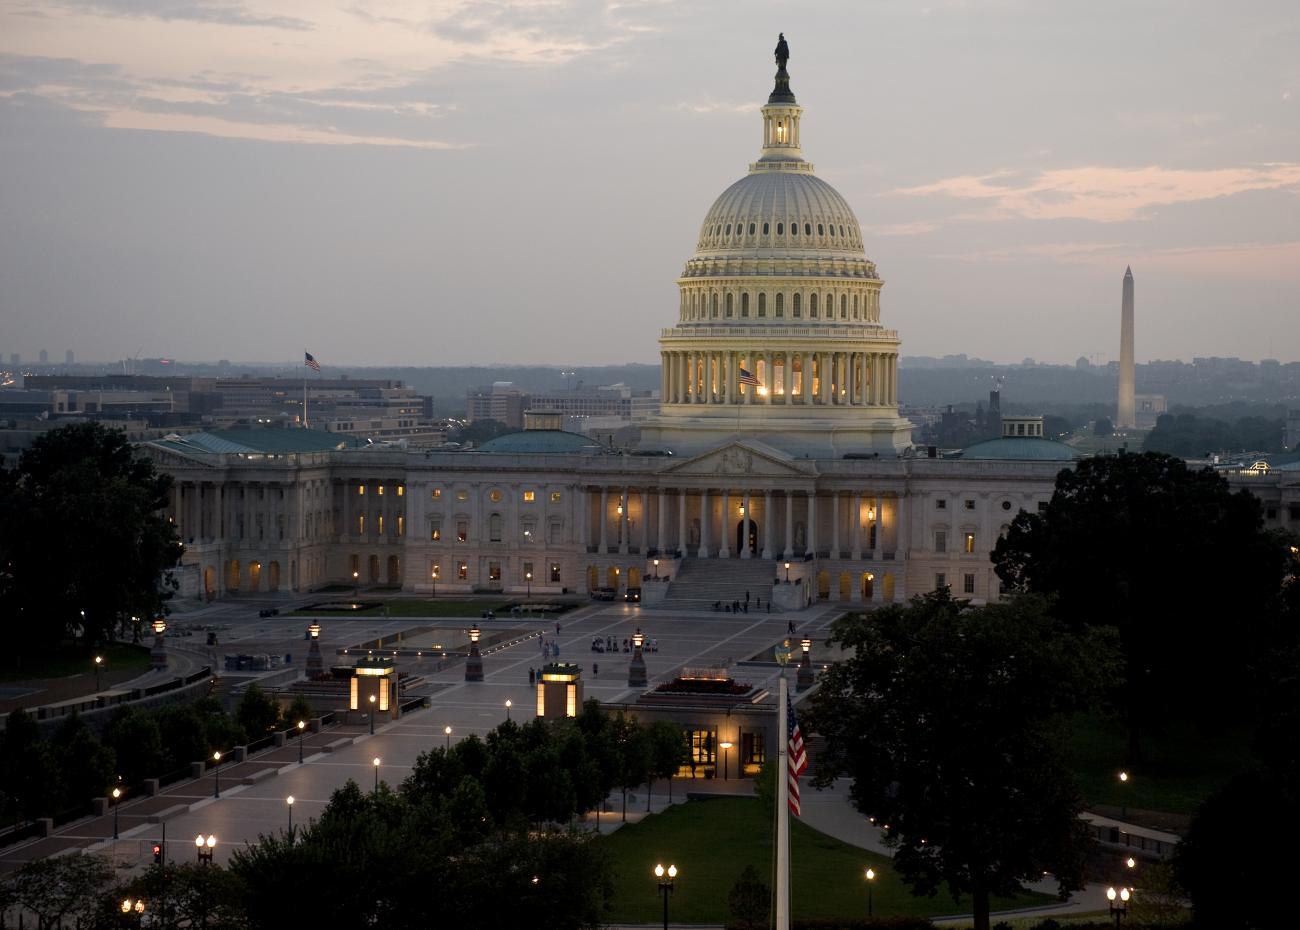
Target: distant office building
69, 358
502, 402
1292, 439
45, 357
1022, 426
609, 402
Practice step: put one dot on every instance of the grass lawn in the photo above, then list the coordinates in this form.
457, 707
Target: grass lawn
1179, 768
76, 658
711, 842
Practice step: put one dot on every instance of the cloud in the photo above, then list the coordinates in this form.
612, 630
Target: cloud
1105, 194
198, 11
713, 106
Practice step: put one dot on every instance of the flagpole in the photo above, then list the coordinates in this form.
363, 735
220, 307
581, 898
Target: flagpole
304, 392
782, 810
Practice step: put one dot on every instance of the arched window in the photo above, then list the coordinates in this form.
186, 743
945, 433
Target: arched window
841, 230
713, 305
762, 305
855, 306
844, 306
765, 228
812, 305
494, 528
780, 229
794, 229
728, 229
798, 306
807, 229
780, 305
751, 229
729, 313
744, 304
832, 228
820, 230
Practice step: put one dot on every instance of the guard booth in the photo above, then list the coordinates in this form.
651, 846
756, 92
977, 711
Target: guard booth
374, 677
559, 690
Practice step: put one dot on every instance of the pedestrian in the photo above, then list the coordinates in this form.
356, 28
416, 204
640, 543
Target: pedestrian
769, 605
595, 670
746, 606
557, 627
532, 677
746, 598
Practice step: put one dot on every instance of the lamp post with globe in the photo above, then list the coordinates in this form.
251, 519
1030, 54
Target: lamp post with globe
158, 655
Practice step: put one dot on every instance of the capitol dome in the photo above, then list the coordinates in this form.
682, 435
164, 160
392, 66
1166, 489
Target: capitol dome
778, 334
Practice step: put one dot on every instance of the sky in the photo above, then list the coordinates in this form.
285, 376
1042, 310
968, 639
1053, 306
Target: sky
521, 181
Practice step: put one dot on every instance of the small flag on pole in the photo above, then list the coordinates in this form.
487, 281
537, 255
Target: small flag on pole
310, 362
796, 755
747, 377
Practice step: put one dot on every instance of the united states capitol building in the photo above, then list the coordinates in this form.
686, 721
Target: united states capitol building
778, 453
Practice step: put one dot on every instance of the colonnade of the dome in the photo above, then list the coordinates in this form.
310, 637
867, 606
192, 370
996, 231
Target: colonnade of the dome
847, 303
788, 379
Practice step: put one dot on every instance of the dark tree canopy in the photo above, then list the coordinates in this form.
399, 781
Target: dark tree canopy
951, 721
84, 532
1170, 556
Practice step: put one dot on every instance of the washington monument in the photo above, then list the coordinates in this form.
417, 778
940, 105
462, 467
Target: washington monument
1125, 414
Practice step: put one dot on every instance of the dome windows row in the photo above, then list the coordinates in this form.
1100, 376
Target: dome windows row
698, 305
723, 234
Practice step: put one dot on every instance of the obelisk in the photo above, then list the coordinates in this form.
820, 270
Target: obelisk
1125, 414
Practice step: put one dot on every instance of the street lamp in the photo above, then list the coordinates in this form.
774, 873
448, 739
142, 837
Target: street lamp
509, 704
216, 775
289, 801
433, 581
99, 663
666, 877
787, 572
204, 847
870, 875
1118, 908
302, 728
1123, 803
372, 714
656, 568
447, 730
724, 746
356, 584
376, 761
129, 906
528, 576
117, 794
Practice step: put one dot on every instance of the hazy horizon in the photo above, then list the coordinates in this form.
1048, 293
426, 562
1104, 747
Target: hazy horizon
512, 183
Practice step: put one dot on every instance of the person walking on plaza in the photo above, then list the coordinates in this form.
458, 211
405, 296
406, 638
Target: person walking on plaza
532, 677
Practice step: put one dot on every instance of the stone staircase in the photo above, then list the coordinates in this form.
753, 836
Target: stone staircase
700, 583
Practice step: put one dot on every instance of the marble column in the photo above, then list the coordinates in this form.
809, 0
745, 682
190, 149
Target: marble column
724, 541
604, 521
789, 526
704, 524
767, 524
661, 533
835, 524
584, 519
625, 505
744, 536
855, 514
645, 521
787, 377
812, 523
880, 529
682, 538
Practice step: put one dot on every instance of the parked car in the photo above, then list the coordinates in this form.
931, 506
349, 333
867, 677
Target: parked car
603, 594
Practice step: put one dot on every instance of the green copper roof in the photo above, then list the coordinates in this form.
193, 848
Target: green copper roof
540, 441
1020, 449
259, 441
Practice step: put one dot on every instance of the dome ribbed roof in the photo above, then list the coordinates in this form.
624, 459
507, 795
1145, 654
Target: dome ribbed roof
798, 210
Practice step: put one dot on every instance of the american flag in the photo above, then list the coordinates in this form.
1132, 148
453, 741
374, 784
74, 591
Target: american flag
747, 377
310, 362
795, 754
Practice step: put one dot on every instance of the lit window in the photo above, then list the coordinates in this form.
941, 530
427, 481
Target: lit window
970, 543
436, 572
436, 494
555, 572
555, 497
435, 532
968, 584
361, 489
494, 571
380, 489
494, 496
401, 525
361, 524
529, 497
380, 525
462, 530
462, 571
462, 495
401, 490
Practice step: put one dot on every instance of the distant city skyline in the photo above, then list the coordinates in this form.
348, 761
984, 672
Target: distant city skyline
502, 183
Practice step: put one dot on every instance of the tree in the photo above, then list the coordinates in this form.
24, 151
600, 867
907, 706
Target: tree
189, 895
257, 713
952, 721
71, 888
86, 766
633, 755
667, 750
749, 902
137, 745
1163, 553
1103, 427
27, 773
598, 734
184, 735
299, 709
86, 541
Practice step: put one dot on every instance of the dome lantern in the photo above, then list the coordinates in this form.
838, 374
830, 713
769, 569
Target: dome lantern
781, 147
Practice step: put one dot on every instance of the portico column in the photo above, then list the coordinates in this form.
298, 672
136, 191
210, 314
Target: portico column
704, 524
604, 521
724, 547
661, 536
835, 524
768, 381
645, 520
682, 538
787, 377
744, 536
584, 519
625, 505
812, 523
805, 376
880, 529
789, 525
856, 533
767, 524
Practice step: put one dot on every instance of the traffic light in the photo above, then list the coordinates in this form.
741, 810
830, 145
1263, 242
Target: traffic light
157, 853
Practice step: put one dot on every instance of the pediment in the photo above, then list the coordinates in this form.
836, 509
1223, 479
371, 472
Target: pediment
744, 458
